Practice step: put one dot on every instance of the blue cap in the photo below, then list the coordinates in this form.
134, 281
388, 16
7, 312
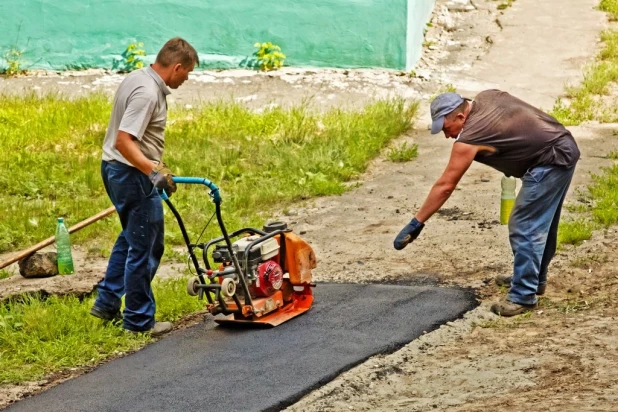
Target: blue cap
441, 106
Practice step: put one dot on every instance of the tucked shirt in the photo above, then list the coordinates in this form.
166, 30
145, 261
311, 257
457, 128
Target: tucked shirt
140, 109
522, 135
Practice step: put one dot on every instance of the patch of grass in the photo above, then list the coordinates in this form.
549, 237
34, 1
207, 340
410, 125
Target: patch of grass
567, 306
402, 152
610, 7
41, 336
590, 260
506, 323
604, 192
586, 101
574, 232
51, 159
4, 274
578, 208
52, 150
613, 155
173, 301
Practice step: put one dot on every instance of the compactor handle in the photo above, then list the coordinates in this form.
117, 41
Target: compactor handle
214, 190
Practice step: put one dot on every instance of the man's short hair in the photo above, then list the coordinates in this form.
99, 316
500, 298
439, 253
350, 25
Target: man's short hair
459, 109
175, 51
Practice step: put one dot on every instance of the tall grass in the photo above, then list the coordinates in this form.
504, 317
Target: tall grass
603, 193
591, 100
40, 336
52, 152
610, 7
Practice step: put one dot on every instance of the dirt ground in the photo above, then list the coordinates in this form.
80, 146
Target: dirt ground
562, 356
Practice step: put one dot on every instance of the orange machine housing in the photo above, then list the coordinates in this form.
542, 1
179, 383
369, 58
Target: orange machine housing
294, 298
299, 259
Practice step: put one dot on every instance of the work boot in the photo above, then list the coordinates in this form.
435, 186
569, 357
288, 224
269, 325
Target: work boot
159, 328
115, 318
505, 280
507, 308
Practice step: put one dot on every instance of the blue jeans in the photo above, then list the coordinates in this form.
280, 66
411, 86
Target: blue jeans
533, 229
138, 249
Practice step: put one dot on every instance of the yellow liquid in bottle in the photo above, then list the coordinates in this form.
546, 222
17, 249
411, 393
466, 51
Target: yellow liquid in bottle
506, 206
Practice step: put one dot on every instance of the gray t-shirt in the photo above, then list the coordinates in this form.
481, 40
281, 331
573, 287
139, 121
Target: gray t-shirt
140, 109
523, 136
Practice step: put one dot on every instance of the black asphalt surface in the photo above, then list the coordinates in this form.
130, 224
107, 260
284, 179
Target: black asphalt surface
213, 368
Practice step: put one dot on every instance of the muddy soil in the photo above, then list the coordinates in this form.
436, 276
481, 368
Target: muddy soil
561, 357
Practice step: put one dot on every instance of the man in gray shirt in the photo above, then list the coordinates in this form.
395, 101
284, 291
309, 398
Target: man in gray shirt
519, 140
133, 174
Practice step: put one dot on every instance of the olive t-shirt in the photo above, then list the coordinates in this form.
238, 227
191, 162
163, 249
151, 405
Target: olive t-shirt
523, 136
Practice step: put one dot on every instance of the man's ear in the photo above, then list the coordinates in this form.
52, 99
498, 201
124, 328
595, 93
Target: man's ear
177, 67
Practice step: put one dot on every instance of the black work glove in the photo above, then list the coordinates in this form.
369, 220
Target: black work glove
161, 178
408, 234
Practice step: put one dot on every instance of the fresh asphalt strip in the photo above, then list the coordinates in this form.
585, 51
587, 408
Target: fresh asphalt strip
212, 368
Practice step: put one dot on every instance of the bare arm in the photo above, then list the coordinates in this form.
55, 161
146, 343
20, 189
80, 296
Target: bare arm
128, 148
462, 156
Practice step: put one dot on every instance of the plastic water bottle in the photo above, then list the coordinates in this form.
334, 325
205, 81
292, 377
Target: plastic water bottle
63, 248
507, 199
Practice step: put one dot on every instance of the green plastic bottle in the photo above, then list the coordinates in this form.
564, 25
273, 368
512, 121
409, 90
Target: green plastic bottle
507, 198
63, 248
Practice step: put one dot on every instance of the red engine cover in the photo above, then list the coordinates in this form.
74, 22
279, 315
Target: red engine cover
269, 279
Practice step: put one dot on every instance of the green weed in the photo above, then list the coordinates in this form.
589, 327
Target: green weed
574, 232
5, 274
506, 323
402, 152
588, 261
610, 7
13, 57
131, 58
585, 102
566, 306
604, 191
268, 56
14, 61
578, 208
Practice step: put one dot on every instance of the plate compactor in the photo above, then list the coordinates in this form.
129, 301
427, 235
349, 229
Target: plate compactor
263, 277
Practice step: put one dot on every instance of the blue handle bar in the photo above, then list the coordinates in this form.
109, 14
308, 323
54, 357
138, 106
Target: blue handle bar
214, 190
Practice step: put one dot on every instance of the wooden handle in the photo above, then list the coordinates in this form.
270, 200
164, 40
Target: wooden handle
49, 241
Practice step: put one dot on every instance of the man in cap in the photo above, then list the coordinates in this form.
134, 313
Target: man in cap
519, 140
